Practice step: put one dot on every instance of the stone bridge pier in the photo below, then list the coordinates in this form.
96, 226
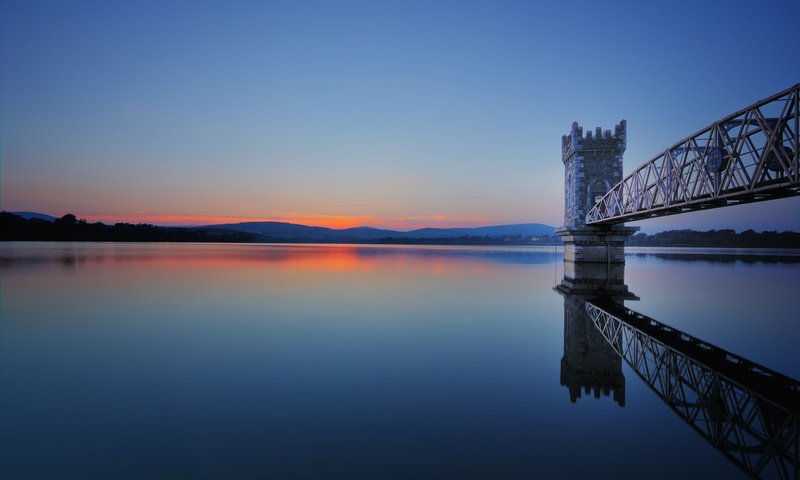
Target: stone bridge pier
593, 165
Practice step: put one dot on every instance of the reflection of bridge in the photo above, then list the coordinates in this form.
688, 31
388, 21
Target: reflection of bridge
748, 156
748, 412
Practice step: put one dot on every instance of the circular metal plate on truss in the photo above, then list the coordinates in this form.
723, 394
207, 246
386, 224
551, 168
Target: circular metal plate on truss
716, 160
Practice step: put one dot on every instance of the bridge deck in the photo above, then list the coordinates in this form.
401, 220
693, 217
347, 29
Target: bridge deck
748, 156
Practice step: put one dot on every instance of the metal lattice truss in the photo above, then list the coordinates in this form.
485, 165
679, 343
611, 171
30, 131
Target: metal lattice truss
744, 410
749, 156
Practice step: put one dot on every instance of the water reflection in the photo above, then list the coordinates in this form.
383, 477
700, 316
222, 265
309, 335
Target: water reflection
728, 258
271, 361
746, 411
334, 361
337, 256
589, 363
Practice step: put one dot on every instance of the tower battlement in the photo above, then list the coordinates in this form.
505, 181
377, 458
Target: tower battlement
590, 141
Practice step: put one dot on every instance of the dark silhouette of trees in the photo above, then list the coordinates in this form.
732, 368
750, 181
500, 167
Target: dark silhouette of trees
717, 239
69, 228
68, 220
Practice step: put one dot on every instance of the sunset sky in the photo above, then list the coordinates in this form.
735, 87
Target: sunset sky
384, 113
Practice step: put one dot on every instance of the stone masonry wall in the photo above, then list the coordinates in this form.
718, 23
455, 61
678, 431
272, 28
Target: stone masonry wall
593, 164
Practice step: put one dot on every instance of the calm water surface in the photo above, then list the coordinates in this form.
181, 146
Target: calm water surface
305, 361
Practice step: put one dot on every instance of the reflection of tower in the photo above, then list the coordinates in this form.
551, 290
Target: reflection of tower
589, 363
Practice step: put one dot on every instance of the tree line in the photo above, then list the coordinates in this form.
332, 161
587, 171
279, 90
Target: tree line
717, 238
70, 228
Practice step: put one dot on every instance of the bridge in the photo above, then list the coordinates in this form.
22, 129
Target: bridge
748, 156
748, 412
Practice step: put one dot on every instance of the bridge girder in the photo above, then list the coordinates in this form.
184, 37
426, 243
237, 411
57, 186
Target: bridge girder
749, 156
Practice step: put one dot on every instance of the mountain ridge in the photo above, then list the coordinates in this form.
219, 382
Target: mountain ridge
41, 216
286, 230
295, 230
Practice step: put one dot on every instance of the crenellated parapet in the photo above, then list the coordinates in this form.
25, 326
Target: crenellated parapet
576, 139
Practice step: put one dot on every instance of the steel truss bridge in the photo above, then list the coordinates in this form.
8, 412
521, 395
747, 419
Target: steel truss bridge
748, 156
748, 412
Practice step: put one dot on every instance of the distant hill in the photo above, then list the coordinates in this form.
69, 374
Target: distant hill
29, 215
275, 229
283, 230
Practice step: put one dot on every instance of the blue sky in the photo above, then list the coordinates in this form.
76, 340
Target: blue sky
393, 114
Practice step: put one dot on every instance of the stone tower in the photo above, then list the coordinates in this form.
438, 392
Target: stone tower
592, 164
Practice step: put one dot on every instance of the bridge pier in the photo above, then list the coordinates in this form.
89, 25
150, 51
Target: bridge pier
595, 254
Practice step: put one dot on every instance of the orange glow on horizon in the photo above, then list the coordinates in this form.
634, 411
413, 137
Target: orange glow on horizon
408, 222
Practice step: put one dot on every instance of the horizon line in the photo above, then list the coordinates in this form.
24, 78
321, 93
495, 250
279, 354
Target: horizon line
334, 222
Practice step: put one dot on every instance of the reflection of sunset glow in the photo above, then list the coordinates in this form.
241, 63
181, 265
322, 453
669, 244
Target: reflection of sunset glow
291, 259
303, 259
337, 259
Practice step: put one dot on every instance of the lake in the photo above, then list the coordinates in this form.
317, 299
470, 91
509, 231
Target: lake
122, 360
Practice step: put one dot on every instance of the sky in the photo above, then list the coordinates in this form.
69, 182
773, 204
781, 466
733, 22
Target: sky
394, 114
